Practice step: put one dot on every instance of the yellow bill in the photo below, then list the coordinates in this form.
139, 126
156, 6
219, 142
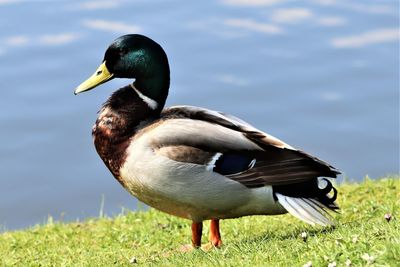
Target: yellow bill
101, 75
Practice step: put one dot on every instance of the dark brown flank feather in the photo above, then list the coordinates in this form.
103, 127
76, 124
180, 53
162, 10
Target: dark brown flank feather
186, 154
118, 121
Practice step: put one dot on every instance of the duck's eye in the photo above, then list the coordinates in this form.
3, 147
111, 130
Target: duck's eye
99, 72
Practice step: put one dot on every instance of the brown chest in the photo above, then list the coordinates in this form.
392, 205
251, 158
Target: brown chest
111, 142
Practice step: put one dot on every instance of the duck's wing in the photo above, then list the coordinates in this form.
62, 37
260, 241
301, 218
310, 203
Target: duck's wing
240, 151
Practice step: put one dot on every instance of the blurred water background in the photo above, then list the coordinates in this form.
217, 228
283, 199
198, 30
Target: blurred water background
322, 75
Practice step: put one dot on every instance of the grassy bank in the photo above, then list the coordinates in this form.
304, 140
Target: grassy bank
362, 236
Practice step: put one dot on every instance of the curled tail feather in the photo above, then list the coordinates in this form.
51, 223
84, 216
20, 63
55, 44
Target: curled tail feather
307, 202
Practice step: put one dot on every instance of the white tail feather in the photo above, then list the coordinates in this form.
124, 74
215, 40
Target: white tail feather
307, 210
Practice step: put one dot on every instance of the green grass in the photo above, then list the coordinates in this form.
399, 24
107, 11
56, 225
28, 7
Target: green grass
153, 238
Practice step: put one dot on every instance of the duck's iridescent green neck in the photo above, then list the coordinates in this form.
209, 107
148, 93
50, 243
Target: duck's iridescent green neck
155, 87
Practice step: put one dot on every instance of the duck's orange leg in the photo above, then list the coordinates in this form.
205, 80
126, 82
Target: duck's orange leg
215, 236
197, 230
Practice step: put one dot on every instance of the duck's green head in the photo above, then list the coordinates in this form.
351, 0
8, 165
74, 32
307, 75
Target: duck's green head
133, 56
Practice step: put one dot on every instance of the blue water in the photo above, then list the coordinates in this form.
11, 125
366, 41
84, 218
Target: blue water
321, 75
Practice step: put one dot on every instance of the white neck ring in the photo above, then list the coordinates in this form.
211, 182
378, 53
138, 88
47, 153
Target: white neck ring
150, 102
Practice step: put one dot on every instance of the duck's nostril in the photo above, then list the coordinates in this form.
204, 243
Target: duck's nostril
99, 72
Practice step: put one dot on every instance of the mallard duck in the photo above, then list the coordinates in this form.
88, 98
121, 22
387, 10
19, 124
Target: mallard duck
193, 162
